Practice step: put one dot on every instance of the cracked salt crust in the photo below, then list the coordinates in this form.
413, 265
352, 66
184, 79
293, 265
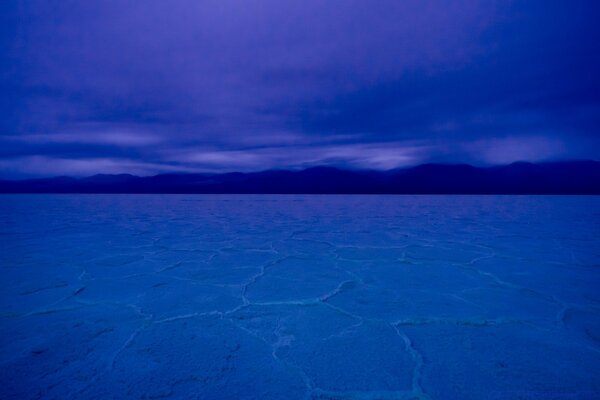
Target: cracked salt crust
312, 297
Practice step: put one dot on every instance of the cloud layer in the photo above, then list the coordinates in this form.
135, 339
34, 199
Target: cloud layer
120, 86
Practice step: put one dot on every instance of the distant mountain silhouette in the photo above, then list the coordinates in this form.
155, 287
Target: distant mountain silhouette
566, 177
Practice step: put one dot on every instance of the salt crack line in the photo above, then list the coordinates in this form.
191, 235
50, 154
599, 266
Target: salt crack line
125, 345
320, 394
255, 278
336, 291
274, 347
417, 387
476, 322
188, 316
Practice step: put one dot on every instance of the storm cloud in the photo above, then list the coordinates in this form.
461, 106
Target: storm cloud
185, 85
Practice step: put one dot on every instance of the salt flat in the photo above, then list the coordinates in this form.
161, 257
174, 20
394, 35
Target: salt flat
299, 297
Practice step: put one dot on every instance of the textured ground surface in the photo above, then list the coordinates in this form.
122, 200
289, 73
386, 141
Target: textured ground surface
299, 297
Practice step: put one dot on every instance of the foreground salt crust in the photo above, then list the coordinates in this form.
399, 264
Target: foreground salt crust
284, 297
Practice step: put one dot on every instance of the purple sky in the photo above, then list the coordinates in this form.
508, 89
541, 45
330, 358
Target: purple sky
156, 86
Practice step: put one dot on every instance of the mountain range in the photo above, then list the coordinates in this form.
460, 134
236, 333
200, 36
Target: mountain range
565, 177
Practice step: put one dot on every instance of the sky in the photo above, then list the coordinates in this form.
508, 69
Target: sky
154, 86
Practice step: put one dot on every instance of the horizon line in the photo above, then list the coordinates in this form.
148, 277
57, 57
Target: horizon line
300, 169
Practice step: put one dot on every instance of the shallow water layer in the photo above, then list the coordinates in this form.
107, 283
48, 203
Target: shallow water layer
299, 297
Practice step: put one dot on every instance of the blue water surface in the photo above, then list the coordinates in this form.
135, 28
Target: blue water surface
299, 297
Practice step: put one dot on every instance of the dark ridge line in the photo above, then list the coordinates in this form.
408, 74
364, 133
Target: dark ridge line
553, 178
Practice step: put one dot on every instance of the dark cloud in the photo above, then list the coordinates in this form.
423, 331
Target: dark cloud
155, 86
